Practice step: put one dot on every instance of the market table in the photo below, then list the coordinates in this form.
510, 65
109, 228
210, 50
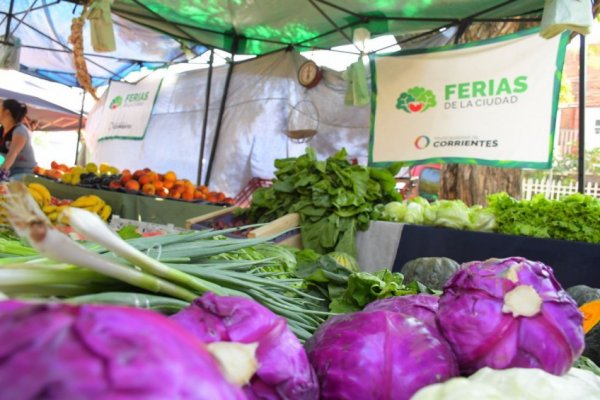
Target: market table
574, 263
132, 206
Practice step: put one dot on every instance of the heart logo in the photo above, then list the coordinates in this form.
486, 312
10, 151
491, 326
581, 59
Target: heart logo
415, 106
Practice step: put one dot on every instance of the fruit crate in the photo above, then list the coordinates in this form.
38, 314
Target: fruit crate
286, 229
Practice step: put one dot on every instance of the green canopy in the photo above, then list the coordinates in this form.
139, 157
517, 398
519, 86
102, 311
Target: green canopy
262, 26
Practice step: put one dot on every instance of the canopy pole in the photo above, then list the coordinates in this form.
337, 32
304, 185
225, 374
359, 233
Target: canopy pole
79, 127
8, 18
221, 112
582, 77
205, 120
332, 22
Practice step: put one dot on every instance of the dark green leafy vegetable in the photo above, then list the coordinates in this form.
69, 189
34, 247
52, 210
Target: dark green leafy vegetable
592, 344
129, 232
585, 363
333, 197
430, 271
583, 294
364, 287
574, 217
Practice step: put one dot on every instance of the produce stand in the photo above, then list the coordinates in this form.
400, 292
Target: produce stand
573, 263
132, 206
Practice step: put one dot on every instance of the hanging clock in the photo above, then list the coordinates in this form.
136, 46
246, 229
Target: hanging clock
309, 74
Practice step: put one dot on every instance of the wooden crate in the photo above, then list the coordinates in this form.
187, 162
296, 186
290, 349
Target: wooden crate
279, 226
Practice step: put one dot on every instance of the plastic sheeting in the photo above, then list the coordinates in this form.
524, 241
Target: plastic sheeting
261, 95
51, 106
45, 51
263, 26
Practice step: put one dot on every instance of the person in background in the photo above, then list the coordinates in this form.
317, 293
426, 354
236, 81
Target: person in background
15, 140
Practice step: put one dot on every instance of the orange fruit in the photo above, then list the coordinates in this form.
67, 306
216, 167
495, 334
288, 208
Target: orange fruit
177, 189
162, 192
126, 172
126, 178
203, 189
170, 176
146, 178
198, 195
168, 184
189, 188
133, 185
148, 188
158, 184
114, 185
138, 173
175, 195
187, 196
212, 197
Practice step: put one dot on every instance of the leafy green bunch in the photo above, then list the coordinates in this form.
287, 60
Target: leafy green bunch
333, 197
574, 217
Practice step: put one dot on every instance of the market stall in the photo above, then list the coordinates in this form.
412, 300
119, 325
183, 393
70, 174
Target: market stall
238, 317
133, 206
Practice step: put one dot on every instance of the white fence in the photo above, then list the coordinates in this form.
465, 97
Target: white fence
554, 189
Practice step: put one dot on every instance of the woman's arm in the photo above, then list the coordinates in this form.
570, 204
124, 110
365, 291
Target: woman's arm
16, 145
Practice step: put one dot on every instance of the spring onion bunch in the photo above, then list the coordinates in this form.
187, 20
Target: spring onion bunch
164, 273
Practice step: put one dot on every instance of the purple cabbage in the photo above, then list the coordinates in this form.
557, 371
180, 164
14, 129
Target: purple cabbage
61, 351
378, 355
421, 306
284, 371
505, 313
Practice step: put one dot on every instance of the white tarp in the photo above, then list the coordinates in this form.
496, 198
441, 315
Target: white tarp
261, 94
492, 103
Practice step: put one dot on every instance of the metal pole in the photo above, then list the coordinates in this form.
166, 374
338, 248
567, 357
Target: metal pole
9, 17
215, 143
205, 121
582, 76
79, 127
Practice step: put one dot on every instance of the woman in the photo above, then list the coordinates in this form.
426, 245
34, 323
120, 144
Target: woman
15, 142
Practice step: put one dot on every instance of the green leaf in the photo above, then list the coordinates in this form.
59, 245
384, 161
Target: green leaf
128, 232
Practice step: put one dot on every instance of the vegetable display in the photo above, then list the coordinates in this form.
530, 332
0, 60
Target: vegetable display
516, 383
283, 367
423, 307
60, 351
443, 213
333, 197
344, 290
574, 217
378, 355
183, 272
510, 313
432, 272
583, 294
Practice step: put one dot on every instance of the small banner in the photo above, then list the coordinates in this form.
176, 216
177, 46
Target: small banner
492, 102
128, 108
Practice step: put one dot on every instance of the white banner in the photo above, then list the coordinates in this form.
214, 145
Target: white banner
128, 108
492, 102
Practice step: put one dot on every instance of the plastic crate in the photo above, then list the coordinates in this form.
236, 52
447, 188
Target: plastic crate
244, 197
117, 223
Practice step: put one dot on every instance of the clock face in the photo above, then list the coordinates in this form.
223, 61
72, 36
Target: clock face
308, 74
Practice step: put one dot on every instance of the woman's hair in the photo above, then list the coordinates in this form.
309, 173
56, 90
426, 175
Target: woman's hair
17, 110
